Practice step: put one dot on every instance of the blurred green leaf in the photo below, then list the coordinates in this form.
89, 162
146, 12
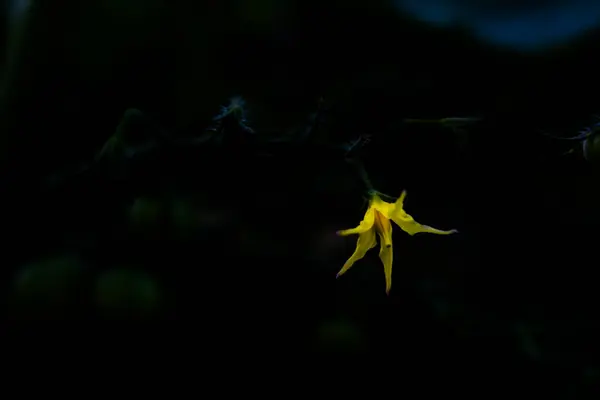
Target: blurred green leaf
123, 293
48, 288
339, 335
145, 212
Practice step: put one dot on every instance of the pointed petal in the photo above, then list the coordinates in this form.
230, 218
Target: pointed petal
365, 225
408, 224
431, 229
384, 230
412, 227
386, 255
366, 241
383, 226
400, 201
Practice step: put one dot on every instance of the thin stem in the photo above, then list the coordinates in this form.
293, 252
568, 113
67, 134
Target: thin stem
362, 173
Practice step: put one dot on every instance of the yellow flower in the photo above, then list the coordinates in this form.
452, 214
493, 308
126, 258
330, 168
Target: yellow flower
377, 220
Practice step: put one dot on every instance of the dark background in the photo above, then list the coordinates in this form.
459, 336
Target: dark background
241, 252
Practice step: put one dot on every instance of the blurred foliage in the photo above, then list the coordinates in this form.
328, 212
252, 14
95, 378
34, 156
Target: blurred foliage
48, 289
123, 293
340, 336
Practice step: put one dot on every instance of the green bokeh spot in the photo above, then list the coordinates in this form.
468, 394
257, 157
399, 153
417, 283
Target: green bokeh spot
123, 293
48, 287
340, 335
145, 211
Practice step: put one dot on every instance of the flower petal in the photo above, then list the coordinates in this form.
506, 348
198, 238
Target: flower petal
383, 207
408, 224
386, 255
366, 241
412, 227
365, 225
383, 226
